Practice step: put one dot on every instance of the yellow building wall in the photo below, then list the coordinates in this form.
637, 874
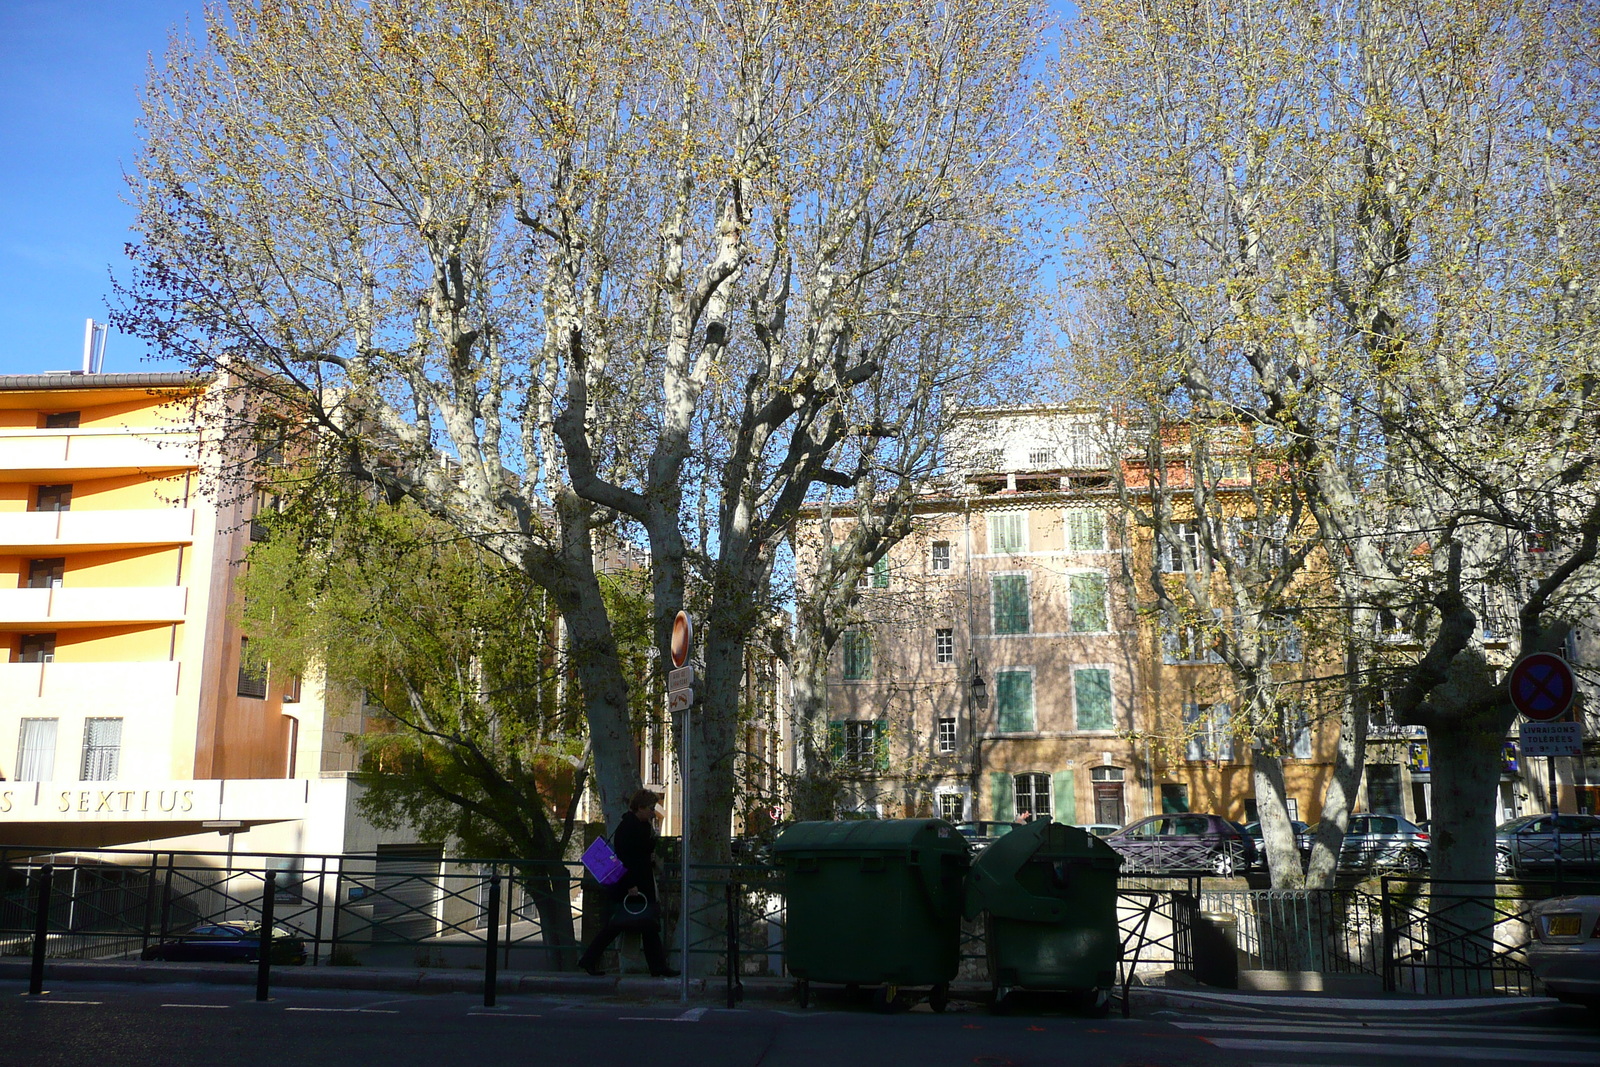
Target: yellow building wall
15, 496
113, 644
124, 567
134, 491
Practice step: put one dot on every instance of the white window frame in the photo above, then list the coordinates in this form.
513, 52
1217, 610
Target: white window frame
935, 561
939, 798
944, 646
1066, 529
1019, 516
1034, 811
38, 763
945, 742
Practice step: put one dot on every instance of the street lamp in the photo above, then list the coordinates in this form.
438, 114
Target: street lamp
980, 688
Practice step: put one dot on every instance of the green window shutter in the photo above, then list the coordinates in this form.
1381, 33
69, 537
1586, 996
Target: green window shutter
857, 655
1088, 593
1010, 595
1092, 692
1086, 531
1001, 798
880, 573
1013, 697
1008, 532
1063, 798
880, 744
836, 743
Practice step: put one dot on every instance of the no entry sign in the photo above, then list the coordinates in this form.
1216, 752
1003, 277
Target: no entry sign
1541, 686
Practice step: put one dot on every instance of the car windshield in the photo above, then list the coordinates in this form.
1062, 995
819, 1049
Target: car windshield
1511, 825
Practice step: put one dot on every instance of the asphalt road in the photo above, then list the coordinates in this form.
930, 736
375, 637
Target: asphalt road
178, 1025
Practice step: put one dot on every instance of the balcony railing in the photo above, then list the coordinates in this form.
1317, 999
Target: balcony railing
35, 455
44, 532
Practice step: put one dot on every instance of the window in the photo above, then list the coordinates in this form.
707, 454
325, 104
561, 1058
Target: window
952, 807
1282, 638
38, 648
1010, 597
62, 420
988, 459
1086, 530
1174, 797
1105, 774
266, 506
1268, 538
1088, 596
53, 498
291, 690
1297, 724
252, 680
941, 556
857, 655
46, 573
1209, 736
880, 573
947, 736
102, 749
36, 750
1008, 532
1189, 644
1013, 701
1091, 690
1188, 554
1041, 457
1032, 792
860, 745
944, 646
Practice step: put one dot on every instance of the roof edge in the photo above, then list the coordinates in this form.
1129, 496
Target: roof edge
16, 383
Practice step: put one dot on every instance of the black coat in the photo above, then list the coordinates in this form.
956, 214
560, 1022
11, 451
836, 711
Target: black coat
635, 844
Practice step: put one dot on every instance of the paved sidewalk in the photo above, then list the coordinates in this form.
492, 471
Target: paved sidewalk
714, 990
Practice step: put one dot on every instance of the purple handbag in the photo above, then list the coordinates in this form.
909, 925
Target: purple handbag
602, 862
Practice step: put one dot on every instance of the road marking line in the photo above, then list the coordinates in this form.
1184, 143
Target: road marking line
349, 1011
692, 1015
219, 1006
1346, 1048
1367, 1030
503, 1015
50, 1000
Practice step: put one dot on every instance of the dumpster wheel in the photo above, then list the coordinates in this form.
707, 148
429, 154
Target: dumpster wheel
999, 1004
803, 993
884, 996
939, 997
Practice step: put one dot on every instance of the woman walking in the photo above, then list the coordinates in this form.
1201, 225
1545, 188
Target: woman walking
635, 844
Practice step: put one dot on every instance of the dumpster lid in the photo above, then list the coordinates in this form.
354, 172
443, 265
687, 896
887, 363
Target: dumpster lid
992, 884
872, 835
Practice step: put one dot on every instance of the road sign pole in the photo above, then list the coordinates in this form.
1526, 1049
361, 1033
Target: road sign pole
1555, 812
682, 675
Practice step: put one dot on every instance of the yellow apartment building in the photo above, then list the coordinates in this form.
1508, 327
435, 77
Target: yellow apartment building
127, 714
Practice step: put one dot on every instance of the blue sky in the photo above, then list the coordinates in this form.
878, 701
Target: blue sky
70, 75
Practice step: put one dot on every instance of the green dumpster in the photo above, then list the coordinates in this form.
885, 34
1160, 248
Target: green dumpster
875, 902
1048, 893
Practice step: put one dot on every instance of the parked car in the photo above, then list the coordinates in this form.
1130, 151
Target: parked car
1528, 843
1296, 827
981, 833
1099, 829
1374, 841
1184, 843
227, 942
1564, 953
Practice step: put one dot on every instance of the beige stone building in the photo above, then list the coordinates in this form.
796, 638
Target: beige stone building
996, 667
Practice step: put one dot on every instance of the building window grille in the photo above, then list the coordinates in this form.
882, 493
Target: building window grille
102, 749
1032, 792
952, 807
252, 679
1041, 457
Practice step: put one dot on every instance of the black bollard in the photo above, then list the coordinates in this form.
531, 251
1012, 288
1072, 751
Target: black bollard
735, 983
492, 944
269, 890
41, 931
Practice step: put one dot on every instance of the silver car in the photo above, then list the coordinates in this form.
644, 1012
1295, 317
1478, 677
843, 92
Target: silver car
1377, 842
1528, 843
1564, 953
